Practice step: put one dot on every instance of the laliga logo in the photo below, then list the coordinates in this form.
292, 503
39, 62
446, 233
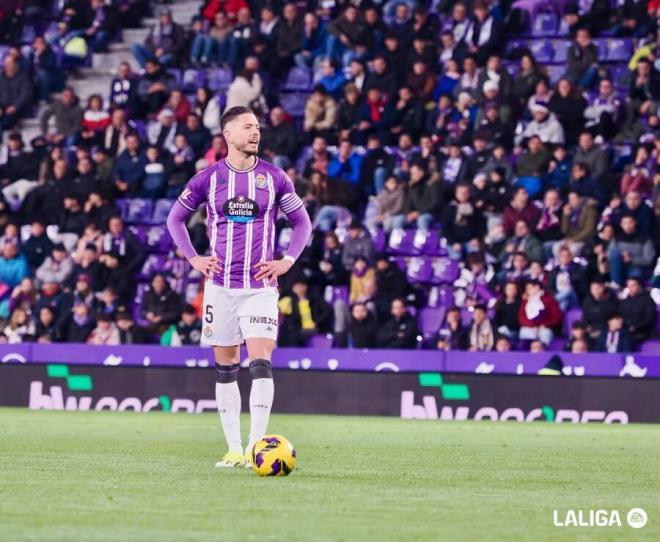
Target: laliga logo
636, 518
428, 410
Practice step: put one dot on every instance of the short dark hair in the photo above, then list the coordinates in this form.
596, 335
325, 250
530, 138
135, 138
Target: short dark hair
232, 113
578, 324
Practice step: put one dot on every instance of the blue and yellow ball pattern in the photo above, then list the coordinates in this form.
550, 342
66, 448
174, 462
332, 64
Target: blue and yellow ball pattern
273, 455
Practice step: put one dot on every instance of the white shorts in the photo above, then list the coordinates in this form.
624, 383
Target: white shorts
231, 315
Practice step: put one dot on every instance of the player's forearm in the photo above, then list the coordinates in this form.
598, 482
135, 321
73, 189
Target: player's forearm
302, 229
176, 225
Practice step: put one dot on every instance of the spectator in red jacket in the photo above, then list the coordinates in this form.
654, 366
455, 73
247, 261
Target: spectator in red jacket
95, 121
228, 7
539, 314
521, 208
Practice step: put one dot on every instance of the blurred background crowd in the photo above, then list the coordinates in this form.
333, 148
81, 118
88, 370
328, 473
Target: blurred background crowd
481, 175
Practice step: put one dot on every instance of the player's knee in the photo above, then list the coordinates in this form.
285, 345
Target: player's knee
261, 368
225, 374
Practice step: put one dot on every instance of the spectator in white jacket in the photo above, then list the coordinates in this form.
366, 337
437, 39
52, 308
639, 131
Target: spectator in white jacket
246, 87
545, 125
19, 326
105, 332
161, 132
57, 267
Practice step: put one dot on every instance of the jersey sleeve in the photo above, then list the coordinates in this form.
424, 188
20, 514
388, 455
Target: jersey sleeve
196, 191
287, 198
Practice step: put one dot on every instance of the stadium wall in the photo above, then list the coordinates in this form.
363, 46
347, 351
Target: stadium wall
412, 395
329, 359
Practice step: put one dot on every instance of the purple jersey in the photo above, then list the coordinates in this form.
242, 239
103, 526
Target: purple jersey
242, 209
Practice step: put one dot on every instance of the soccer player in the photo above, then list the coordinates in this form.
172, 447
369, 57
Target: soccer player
242, 194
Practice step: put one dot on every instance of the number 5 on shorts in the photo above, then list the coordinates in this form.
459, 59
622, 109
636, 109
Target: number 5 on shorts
208, 315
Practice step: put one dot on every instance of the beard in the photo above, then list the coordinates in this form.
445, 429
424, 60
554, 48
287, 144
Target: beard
247, 149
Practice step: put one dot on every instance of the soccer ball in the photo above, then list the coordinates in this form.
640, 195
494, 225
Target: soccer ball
273, 455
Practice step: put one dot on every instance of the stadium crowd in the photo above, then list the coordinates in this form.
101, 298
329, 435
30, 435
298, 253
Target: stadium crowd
482, 175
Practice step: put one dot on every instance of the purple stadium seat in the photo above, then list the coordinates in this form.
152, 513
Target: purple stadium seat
320, 340
466, 317
335, 293
26, 50
139, 211
140, 232
512, 67
619, 50
418, 270
136, 316
294, 103
177, 284
601, 44
401, 262
344, 218
191, 291
158, 239
430, 321
440, 296
153, 263
178, 76
401, 241
444, 271
372, 210
425, 242
542, 51
573, 315
555, 73
193, 79
545, 24
123, 207
378, 237
177, 267
28, 34
298, 79
139, 127
515, 45
161, 210
650, 347
141, 290
305, 154
561, 51
620, 76
219, 79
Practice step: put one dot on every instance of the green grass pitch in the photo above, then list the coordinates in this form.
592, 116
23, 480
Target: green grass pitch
106, 476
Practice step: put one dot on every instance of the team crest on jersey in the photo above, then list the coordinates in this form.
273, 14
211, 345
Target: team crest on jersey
241, 209
260, 180
207, 331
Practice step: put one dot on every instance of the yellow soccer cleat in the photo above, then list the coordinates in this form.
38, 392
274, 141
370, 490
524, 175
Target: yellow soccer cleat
247, 458
231, 460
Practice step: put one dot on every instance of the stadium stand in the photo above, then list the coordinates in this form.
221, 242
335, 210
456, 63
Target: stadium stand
481, 175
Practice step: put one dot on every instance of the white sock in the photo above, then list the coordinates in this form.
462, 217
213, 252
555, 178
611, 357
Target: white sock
228, 397
261, 401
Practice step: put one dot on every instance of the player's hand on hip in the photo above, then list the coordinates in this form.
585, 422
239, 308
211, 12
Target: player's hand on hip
206, 265
272, 269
